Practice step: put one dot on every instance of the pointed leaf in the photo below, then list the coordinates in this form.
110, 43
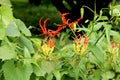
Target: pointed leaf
98, 26
22, 27
12, 30
98, 53
27, 43
107, 31
26, 53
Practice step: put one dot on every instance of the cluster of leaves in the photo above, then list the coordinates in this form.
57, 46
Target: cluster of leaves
93, 56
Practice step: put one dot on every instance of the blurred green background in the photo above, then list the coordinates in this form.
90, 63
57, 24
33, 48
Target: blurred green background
30, 14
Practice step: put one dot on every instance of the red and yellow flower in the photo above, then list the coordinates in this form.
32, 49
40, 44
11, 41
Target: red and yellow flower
48, 42
114, 47
48, 46
80, 45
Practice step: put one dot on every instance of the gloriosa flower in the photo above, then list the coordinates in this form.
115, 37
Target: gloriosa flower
52, 33
48, 42
43, 27
80, 45
114, 47
48, 32
66, 22
48, 47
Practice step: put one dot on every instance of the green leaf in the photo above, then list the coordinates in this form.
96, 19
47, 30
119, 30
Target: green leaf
116, 35
12, 30
81, 69
7, 52
38, 71
6, 14
96, 75
26, 53
22, 27
47, 66
49, 77
57, 74
37, 42
102, 18
17, 70
98, 53
5, 2
108, 75
27, 43
2, 31
107, 31
83, 29
98, 26
43, 68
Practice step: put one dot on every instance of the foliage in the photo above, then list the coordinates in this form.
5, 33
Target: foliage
92, 56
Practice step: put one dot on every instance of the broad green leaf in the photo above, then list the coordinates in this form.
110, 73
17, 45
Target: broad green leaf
16, 70
5, 2
6, 14
108, 75
43, 68
2, 31
47, 66
22, 27
27, 43
7, 52
12, 30
38, 71
57, 74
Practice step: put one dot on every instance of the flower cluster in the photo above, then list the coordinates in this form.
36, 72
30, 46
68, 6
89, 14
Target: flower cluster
80, 44
52, 33
114, 47
48, 42
48, 47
